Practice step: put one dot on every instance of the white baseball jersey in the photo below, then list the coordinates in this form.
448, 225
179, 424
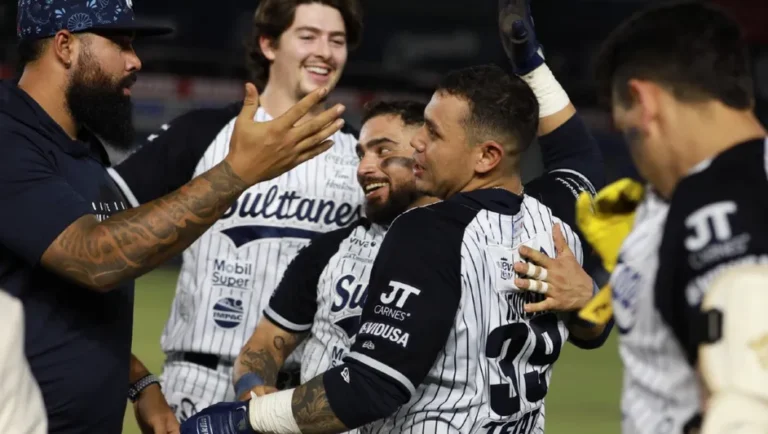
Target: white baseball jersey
21, 403
323, 291
444, 321
660, 393
229, 273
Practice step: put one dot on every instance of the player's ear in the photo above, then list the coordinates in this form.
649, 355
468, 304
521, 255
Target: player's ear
644, 102
64, 47
267, 46
489, 155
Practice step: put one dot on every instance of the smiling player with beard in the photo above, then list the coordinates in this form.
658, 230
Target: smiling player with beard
69, 247
321, 294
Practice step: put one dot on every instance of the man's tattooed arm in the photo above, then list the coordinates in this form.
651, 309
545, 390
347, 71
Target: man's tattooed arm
99, 255
266, 351
260, 362
312, 411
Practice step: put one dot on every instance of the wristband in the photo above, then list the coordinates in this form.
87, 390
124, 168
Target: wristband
135, 389
273, 413
247, 382
550, 94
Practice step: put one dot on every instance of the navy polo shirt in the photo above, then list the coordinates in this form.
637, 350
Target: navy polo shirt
78, 341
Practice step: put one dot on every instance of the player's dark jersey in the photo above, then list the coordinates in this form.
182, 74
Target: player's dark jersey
559, 189
572, 164
77, 341
718, 219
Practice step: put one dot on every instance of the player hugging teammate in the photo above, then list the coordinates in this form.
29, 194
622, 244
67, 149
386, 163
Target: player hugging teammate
437, 333
409, 323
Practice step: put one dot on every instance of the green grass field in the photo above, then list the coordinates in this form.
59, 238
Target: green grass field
583, 399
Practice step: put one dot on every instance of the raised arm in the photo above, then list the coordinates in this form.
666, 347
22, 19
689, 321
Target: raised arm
99, 255
565, 142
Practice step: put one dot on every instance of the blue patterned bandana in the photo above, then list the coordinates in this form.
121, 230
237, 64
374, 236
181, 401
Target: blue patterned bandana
43, 18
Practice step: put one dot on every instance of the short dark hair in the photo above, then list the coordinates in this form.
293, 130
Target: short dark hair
502, 106
691, 48
273, 17
29, 50
410, 112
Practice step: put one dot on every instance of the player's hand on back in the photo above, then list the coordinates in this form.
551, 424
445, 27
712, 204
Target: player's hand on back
561, 279
260, 151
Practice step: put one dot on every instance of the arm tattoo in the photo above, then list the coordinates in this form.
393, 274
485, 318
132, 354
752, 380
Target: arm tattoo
312, 411
135, 241
260, 362
266, 362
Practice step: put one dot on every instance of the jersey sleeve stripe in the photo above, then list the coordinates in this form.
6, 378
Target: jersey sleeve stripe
384, 369
123, 187
586, 180
284, 323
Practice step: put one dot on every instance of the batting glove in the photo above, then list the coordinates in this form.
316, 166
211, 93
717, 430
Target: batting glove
518, 36
222, 418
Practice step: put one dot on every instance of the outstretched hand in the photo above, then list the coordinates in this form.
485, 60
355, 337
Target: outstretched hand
260, 151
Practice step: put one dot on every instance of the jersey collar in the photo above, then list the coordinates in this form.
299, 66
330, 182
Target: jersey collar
496, 200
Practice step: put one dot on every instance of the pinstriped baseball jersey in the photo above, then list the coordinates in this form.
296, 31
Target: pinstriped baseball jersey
323, 291
229, 273
660, 393
445, 322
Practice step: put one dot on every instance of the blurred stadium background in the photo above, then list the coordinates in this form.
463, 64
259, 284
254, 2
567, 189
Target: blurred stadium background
406, 46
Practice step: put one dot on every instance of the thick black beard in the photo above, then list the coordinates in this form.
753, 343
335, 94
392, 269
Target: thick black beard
399, 201
97, 103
